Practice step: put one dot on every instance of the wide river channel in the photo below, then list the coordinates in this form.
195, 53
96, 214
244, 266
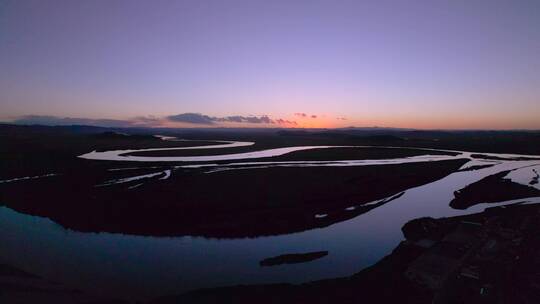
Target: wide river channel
137, 267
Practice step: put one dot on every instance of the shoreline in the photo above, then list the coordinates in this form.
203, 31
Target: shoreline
402, 275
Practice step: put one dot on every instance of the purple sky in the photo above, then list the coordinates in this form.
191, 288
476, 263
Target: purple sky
422, 64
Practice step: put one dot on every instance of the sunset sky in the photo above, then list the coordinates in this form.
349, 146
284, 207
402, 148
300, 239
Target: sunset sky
415, 64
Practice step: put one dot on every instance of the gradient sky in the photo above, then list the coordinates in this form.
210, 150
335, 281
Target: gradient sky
419, 64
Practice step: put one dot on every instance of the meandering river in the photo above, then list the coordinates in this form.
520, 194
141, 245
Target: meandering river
138, 267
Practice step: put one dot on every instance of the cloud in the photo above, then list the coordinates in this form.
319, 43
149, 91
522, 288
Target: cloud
262, 119
246, 119
192, 118
197, 118
233, 119
286, 122
149, 121
141, 121
304, 115
341, 118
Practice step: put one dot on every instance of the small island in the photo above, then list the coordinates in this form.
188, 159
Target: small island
293, 258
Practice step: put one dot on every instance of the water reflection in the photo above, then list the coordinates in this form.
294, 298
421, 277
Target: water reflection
145, 267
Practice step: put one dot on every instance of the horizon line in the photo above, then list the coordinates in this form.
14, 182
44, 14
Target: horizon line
269, 128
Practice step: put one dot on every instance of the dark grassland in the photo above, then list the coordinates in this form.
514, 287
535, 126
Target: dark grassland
491, 189
35, 150
254, 202
223, 204
345, 153
239, 203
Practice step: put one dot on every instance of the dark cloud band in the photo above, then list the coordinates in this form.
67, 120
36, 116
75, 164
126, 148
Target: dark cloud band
65, 121
197, 118
149, 121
